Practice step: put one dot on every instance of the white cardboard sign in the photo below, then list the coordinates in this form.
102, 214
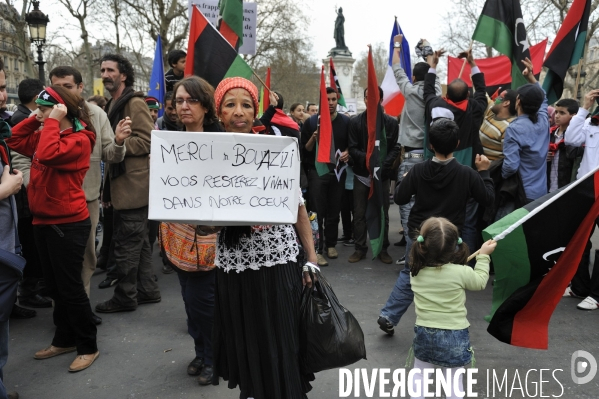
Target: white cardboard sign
250, 12
223, 179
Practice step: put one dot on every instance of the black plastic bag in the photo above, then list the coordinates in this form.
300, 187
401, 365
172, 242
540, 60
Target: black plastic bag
330, 336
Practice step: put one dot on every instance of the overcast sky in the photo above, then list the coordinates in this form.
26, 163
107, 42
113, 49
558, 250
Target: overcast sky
366, 21
371, 21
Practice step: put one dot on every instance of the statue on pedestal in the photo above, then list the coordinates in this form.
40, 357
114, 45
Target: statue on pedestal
339, 34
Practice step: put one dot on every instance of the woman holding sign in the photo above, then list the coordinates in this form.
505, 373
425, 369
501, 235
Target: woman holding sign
192, 257
258, 284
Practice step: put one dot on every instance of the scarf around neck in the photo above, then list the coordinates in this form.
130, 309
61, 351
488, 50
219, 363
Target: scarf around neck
463, 105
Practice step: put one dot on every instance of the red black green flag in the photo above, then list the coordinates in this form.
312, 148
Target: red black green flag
567, 49
209, 55
501, 26
538, 252
326, 144
376, 152
335, 82
230, 23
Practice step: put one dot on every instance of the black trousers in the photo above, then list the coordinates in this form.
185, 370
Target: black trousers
325, 194
61, 248
583, 283
197, 290
347, 213
361, 192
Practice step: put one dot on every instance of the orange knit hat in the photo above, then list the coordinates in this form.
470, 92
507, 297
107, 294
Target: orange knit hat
235, 83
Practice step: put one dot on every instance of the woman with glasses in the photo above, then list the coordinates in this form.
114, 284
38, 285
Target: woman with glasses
190, 255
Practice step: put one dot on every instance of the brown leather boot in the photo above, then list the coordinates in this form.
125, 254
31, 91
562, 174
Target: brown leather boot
356, 256
385, 257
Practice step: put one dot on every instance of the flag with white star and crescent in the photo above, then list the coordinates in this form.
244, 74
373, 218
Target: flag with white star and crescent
375, 154
502, 27
539, 249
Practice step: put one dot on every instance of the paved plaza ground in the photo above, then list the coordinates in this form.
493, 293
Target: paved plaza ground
144, 354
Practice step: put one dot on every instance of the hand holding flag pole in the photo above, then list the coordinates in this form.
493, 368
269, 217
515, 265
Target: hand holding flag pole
261, 81
465, 59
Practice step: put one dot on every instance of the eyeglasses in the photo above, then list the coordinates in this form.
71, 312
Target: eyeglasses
189, 101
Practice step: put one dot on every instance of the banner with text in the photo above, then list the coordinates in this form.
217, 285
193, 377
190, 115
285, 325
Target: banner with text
210, 10
223, 179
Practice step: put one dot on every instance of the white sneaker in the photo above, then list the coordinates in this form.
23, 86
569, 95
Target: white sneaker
401, 261
588, 304
570, 294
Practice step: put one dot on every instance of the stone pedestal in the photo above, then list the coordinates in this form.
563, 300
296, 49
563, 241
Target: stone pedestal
344, 66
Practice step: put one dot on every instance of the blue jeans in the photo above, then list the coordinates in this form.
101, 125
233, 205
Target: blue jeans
445, 348
3, 355
404, 210
402, 296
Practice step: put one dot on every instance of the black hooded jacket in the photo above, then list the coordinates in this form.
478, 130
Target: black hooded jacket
442, 190
358, 144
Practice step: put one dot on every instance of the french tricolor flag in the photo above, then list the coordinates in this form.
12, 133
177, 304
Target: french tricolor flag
393, 100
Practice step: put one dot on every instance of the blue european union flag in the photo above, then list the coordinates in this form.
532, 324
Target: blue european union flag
157, 88
405, 60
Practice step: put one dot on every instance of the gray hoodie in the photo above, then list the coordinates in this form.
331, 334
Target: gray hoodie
411, 126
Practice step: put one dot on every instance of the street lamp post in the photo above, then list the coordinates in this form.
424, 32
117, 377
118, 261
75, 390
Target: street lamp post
37, 22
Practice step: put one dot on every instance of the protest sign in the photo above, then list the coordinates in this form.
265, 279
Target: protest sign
223, 179
250, 11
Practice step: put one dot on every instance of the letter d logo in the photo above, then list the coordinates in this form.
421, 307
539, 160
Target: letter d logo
579, 366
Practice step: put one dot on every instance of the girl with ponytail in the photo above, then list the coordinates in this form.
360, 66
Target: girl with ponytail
439, 280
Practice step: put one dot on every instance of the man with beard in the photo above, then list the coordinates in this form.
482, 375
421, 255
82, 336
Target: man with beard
129, 190
108, 148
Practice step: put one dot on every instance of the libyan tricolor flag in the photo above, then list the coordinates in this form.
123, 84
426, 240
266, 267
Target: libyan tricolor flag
335, 83
209, 55
501, 26
325, 146
376, 151
538, 252
567, 48
231, 21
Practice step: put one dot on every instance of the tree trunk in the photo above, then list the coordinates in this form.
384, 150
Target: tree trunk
89, 61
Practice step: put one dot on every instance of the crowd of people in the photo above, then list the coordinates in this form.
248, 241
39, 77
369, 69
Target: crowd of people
455, 163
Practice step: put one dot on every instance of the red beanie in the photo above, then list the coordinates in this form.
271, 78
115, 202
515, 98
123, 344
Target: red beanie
235, 83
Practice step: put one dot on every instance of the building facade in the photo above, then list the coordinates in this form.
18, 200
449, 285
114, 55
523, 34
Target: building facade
15, 65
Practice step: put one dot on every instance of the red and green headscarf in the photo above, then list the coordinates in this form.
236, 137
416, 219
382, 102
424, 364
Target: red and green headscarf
49, 98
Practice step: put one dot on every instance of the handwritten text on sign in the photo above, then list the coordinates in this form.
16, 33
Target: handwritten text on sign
223, 179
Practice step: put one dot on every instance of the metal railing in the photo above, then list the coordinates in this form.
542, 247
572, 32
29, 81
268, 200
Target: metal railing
8, 47
5, 28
